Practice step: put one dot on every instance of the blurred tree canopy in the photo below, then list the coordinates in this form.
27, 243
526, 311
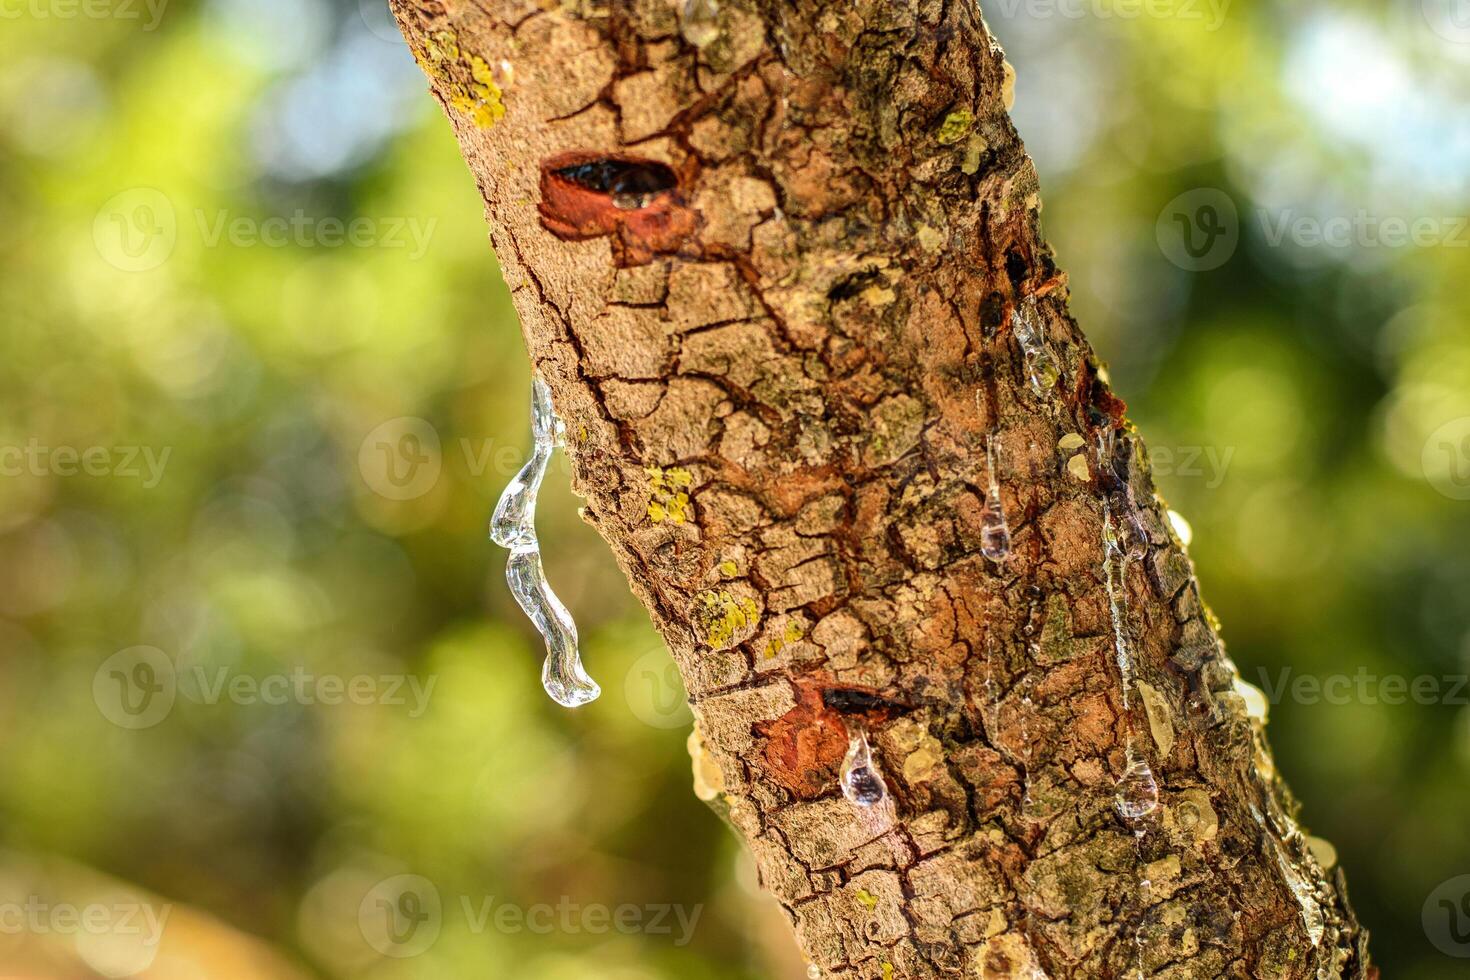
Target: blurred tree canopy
260, 384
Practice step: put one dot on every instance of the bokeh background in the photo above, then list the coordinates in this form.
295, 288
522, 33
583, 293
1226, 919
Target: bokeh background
260, 385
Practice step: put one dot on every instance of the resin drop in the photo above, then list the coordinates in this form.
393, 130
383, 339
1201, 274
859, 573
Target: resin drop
1115, 573
861, 782
995, 533
513, 526
700, 24
1041, 366
1137, 792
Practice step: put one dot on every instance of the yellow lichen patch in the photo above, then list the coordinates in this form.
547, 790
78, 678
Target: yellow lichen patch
879, 296
925, 762
480, 98
923, 755
440, 50
667, 499
866, 899
728, 568
975, 148
722, 614
931, 239
956, 126
887, 970
793, 632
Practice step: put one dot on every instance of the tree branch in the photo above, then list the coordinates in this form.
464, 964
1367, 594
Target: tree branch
781, 266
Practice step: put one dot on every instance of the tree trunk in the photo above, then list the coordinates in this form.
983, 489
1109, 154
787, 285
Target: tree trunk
781, 266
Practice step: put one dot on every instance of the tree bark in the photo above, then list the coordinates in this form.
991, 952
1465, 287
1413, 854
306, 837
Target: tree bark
781, 266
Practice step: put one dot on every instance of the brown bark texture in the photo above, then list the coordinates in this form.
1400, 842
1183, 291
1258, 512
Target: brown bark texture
781, 266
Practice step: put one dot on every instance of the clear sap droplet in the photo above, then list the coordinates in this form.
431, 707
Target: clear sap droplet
861, 782
1137, 793
701, 22
1041, 365
995, 533
1115, 575
513, 526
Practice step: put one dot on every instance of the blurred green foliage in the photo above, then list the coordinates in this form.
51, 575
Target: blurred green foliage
241, 256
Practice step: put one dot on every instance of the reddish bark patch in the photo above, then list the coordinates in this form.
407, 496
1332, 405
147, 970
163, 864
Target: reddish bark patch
805, 746
635, 201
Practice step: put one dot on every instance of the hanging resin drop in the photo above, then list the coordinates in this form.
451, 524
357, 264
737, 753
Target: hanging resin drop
861, 782
995, 533
513, 526
1041, 366
1137, 792
700, 23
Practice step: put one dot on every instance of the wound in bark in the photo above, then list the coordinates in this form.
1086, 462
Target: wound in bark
858, 701
635, 201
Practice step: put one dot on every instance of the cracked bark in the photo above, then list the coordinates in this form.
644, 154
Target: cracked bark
771, 266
